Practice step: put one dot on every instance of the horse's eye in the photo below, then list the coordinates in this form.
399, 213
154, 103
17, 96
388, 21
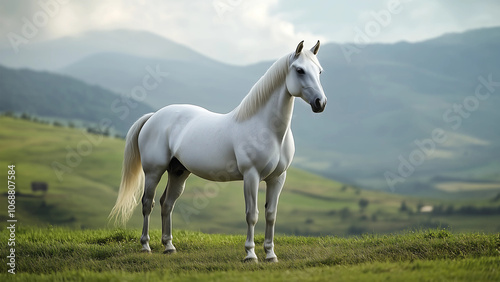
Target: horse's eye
300, 71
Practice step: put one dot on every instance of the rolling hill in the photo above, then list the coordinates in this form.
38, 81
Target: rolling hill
51, 95
83, 172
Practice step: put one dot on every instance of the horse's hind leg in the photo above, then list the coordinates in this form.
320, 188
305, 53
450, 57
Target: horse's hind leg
177, 175
151, 181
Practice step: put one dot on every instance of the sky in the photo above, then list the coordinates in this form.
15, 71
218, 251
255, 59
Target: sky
244, 31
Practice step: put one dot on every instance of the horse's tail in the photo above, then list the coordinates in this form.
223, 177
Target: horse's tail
132, 183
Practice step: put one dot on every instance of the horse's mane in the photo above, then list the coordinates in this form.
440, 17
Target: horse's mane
262, 90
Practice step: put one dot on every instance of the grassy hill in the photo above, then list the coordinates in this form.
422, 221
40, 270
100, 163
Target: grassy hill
59, 254
52, 95
83, 173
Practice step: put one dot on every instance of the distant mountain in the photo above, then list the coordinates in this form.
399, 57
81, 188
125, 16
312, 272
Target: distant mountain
53, 95
55, 54
214, 85
383, 100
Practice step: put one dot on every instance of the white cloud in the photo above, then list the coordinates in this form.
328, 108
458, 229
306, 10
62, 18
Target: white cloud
255, 31
244, 31
240, 32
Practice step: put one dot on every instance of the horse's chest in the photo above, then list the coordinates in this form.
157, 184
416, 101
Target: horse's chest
279, 162
275, 166
269, 154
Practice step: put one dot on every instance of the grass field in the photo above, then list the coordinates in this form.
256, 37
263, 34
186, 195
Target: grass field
64, 234
83, 173
60, 254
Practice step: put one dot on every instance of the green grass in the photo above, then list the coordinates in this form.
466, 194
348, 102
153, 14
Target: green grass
60, 254
83, 196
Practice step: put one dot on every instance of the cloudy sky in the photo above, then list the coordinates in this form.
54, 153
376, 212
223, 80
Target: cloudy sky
244, 31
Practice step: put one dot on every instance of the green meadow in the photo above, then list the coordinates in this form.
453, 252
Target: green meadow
61, 254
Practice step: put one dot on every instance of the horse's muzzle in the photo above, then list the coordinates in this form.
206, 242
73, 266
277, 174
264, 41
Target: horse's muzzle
318, 105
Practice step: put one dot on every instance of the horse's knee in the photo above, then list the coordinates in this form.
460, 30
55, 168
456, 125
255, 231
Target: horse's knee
252, 217
271, 217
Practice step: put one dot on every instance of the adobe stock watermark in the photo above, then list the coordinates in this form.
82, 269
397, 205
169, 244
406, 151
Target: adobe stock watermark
150, 81
221, 7
31, 26
121, 106
454, 117
372, 28
11, 218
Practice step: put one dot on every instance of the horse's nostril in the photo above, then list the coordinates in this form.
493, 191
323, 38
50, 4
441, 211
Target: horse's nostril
318, 103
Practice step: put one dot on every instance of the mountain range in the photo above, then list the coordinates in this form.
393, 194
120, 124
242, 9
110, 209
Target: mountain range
44, 94
386, 102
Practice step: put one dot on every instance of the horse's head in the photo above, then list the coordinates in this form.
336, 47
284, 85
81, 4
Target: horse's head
302, 79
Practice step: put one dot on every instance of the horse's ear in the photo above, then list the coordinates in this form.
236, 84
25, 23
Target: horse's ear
315, 49
299, 48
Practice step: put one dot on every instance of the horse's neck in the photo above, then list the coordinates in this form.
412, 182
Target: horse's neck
269, 102
277, 112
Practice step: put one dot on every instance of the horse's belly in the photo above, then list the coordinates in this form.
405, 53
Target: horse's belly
210, 165
207, 152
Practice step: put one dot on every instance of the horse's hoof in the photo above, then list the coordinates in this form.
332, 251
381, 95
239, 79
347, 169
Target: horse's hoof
275, 259
250, 260
171, 251
148, 251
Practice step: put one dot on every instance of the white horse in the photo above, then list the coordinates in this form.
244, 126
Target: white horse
252, 143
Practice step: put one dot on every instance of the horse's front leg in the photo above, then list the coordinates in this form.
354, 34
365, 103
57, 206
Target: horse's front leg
251, 186
273, 191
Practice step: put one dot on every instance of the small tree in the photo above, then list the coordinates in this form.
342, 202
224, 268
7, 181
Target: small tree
9, 114
404, 207
363, 203
345, 213
25, 116
57, 124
